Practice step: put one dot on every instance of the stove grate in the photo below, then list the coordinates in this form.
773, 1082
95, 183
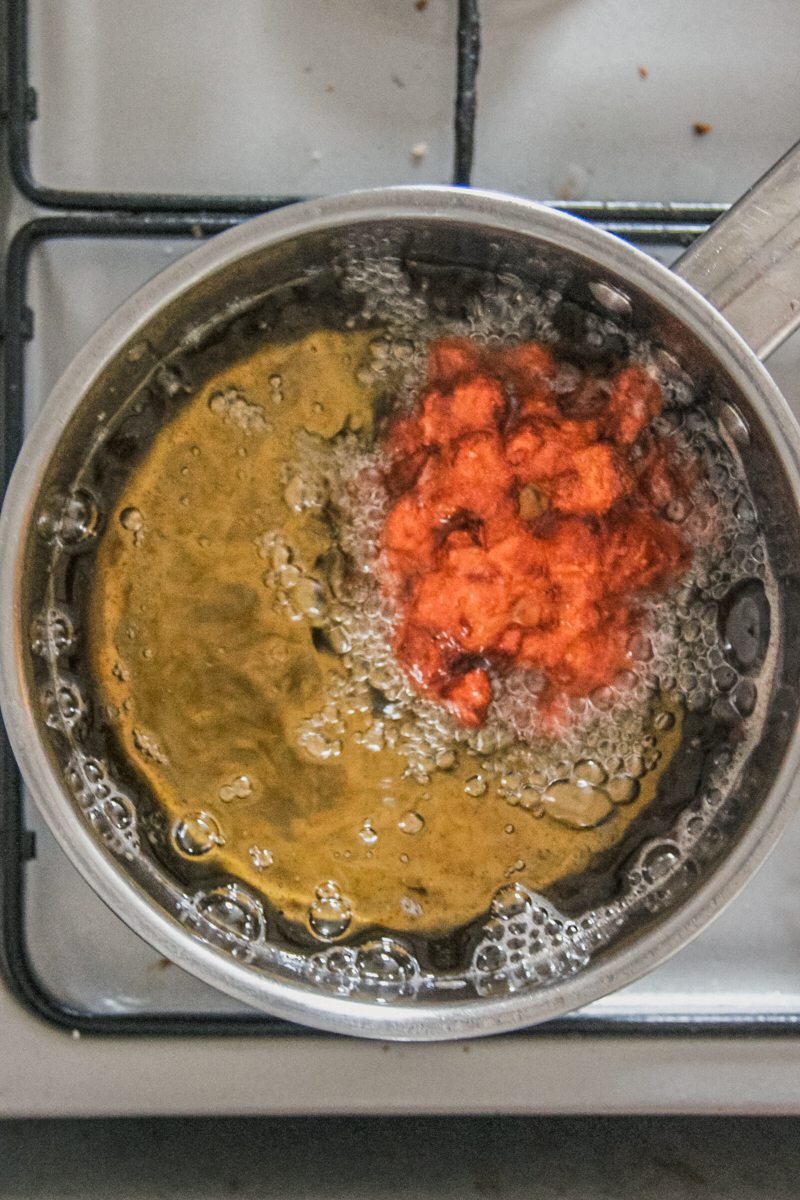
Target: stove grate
108, 215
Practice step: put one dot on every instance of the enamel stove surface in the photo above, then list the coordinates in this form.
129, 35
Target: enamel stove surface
577, 101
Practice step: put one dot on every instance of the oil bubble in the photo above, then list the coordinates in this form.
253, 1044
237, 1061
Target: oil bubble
196, 834
475, 786
611, 298
659, 861
317, 746
589, 772
734, 423
330, 914
510, 901
745, 621
634, 766
640, 648
490, 958
745, 697
132, 520
260, 857
73, 520
367, 833
339, 639
148, 746
235, 409
411, 822
622, 790
65, 706
52, 634
239, 789
578, 806
119, 811
385, 963
233, 910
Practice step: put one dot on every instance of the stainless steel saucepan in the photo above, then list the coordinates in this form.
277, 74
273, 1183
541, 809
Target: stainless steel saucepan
731, 299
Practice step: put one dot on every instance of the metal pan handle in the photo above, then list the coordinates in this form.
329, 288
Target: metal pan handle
748, 264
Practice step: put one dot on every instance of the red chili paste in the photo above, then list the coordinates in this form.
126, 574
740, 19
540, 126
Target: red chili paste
527, 522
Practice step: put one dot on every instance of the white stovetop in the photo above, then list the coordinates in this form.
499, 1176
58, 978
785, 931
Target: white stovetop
304, 96
322, 95
45, 1073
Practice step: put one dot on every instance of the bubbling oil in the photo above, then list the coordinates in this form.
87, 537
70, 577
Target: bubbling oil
241, 650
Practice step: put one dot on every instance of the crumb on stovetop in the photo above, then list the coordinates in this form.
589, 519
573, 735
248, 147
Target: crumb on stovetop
643, 72
419, 152
701, 128
421, 5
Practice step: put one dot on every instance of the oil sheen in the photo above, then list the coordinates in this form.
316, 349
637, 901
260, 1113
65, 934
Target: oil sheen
254, 692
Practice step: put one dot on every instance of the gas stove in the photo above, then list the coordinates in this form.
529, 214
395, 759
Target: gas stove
133, 131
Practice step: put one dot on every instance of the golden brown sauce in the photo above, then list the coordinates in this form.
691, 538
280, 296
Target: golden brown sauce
206, 682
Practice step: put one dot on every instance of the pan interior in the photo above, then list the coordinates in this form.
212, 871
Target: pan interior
225, 717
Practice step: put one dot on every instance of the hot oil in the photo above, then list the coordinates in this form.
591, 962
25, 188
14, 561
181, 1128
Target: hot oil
242, 651
212, 683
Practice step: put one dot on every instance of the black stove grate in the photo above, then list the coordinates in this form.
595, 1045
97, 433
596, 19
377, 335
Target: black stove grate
85, 214
655, 221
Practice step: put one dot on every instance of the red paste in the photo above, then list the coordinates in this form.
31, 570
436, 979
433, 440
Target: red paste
528, 520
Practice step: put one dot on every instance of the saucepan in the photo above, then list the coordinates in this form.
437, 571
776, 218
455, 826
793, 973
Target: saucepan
729, 789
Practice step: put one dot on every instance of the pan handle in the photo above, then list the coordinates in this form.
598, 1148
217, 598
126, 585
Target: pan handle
748, 264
